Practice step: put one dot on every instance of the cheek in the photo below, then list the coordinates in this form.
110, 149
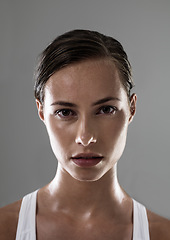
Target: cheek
117, 126
60, 136
116, 133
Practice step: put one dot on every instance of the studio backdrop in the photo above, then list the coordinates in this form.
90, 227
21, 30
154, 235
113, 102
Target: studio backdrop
27, 27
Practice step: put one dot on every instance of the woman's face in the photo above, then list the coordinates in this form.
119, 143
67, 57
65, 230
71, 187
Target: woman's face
87, 112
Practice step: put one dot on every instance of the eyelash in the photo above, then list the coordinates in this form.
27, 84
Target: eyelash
113, 111
58, 113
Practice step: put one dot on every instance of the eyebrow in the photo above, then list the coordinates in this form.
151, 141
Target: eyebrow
62, 103
69, 104
104, 100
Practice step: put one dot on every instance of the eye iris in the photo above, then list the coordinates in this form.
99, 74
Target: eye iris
107, 110
65, 112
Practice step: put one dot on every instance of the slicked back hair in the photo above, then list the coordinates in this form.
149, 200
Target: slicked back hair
76, 46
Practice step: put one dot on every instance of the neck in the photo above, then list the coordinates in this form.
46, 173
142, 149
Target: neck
87, 196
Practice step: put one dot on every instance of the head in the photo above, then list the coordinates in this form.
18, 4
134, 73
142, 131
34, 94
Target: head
83, 96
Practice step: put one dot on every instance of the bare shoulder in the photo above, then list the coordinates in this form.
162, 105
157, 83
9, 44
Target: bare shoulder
159, 227
8, 220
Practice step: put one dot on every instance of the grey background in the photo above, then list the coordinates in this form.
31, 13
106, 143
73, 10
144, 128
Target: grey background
143, 27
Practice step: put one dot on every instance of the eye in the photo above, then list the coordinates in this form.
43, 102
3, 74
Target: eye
65, 113
107, 110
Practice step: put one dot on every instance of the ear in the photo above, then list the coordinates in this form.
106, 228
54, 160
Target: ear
133, 100
40, 110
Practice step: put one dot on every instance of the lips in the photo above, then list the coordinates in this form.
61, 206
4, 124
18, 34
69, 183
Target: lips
86, 159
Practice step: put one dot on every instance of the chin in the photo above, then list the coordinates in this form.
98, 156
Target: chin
87, 180
87, 177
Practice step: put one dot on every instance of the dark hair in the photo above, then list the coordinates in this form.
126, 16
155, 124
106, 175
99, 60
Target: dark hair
76, 46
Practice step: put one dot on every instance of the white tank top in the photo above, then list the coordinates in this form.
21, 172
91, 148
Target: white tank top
26, 229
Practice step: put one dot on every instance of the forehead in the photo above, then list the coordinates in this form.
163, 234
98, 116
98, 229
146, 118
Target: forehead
88, 80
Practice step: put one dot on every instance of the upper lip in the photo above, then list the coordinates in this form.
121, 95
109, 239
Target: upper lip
87, 155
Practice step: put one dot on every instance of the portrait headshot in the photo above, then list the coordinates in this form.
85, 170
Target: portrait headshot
85, 120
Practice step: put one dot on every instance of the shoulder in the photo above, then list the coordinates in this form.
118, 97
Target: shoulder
159, 227
8, 220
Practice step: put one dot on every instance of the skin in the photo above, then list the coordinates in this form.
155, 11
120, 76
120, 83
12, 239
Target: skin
85, 201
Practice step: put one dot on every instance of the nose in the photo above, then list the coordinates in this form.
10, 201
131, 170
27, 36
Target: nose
85, 141
85, 135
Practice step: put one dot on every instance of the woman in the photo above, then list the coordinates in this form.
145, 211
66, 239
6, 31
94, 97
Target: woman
83, 95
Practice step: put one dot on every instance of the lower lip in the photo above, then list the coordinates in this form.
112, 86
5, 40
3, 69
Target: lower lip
84, 162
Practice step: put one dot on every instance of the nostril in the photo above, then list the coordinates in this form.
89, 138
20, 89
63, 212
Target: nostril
92, 139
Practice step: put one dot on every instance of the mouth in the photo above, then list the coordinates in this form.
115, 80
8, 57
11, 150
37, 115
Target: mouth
86, 159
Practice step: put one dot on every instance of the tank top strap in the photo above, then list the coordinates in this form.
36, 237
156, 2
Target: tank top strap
140, 222
26, 229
